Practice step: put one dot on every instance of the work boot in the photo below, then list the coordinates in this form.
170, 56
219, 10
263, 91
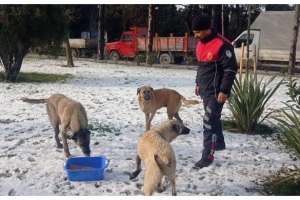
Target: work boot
202, 163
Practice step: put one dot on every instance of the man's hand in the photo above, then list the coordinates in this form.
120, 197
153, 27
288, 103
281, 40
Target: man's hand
222, 97
197, 91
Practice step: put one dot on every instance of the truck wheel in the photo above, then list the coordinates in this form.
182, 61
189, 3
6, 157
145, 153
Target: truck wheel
114, 55
165, 59
74, 53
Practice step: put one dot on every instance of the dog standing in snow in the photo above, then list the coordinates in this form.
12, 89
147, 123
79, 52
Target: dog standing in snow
71, 115
158, 155
151, 100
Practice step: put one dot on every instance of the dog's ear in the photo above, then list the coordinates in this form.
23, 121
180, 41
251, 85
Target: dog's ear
151, 88
138, 91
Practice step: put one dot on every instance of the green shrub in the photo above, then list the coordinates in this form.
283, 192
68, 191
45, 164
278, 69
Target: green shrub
188, 60
289, 125
283, 184
248, 102
288, 117
139, 57
151, 57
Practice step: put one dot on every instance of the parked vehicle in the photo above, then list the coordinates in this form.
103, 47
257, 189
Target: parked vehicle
169, 49
271, 33
83, 47
87, 45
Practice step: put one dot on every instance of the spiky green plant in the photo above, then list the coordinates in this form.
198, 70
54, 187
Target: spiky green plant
248, 102
289, 117
289, 125
293, 92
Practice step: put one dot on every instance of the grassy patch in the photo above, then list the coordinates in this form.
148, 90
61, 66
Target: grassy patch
33, 77
289, 188
261, 129
104, 128
287, 184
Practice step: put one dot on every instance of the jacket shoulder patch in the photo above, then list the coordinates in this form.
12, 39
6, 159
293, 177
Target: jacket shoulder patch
228, 53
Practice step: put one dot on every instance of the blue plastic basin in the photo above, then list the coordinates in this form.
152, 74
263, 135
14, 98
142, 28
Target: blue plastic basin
99, 163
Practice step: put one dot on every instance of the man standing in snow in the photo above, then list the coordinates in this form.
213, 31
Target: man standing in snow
217, 68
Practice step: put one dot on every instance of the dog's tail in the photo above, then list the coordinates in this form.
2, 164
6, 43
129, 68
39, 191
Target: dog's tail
188, 102
165, 168
34, 100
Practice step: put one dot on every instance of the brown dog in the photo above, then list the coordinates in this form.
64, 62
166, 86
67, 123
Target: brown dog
71, 115
151, 100
158, 155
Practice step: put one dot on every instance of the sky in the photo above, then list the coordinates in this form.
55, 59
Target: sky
31, 165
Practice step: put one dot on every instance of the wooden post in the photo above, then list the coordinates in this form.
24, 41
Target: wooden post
186, 38
254, 63
171, 39
241, 62
156, 39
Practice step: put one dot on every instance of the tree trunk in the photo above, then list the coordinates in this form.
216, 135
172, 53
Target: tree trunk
248, 38
188, 28
230, 13
12, 65
222, 19
101, 41
292, 58
237, 18
213, 16
149, 58
70, 62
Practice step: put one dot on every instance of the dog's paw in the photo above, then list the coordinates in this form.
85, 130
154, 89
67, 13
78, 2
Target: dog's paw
163, 185
134, 175
59, 146
69, 156
161, 189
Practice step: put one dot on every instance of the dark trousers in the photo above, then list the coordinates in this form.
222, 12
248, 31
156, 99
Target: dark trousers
212, 134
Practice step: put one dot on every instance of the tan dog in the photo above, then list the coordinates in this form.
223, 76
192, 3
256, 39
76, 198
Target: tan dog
71, 115
151, 100
158, 155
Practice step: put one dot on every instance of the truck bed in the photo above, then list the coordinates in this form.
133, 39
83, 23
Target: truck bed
168, 44
83, 43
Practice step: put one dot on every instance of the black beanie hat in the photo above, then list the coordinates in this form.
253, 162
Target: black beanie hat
201, 22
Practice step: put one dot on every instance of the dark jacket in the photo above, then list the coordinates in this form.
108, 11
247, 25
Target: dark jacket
217, 66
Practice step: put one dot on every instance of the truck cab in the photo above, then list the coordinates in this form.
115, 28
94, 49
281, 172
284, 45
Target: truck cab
123, 48
126, 47
242, 38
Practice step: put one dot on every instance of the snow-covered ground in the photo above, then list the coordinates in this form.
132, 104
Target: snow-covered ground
30, 163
